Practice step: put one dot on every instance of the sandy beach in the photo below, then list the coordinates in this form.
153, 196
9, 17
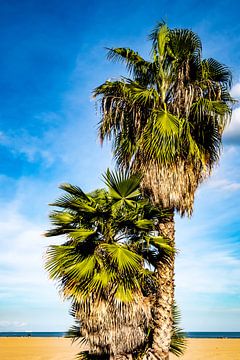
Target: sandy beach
62, 349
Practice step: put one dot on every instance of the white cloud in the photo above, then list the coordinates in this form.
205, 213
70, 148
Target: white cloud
232, 132
32, 147
235, 91
208, 270
25, 289
21, 254
11, 324
224, 185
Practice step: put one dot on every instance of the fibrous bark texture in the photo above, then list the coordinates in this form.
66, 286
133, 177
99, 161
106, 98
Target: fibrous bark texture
174, 186
112, 328
162, 316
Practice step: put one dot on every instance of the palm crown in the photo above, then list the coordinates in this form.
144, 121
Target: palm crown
167, 119
106, 266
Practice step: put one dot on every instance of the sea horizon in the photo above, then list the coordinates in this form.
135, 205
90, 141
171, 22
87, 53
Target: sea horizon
189, 334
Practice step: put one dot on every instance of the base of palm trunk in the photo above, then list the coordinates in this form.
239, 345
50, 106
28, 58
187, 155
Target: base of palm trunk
156, 355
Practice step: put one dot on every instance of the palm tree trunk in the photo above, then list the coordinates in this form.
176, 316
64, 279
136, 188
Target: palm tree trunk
121, 357
164, 299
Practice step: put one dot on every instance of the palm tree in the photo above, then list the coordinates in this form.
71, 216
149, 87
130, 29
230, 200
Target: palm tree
107, 265
166, 121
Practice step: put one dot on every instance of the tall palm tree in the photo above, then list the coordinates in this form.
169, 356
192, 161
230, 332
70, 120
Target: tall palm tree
107, 265
166, 120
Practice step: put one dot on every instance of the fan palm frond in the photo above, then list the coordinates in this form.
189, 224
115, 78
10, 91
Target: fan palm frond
178, 341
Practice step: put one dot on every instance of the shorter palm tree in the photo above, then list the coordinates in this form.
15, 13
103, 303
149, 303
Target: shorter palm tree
106, 266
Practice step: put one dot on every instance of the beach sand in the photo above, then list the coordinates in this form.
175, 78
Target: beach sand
211, 349
62, 349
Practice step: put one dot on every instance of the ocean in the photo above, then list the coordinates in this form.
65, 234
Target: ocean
213, 335
193, 335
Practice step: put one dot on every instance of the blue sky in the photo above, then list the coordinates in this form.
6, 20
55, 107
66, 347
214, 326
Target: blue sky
52, 56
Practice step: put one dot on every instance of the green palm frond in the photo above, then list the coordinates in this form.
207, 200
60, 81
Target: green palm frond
154, 35
61, 218
144, 224
125, 260
124, 54
73, 190
81, 234
58, 259
161, 242
178, 341
160, 139
82, 269
66, 201
210, 108
141, 95
124, 294
122, 185
185, 44
217, 72
134, 62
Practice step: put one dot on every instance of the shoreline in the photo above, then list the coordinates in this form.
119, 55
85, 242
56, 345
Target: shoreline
34, 336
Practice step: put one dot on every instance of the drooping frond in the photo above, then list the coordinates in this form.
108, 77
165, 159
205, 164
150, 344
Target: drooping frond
160, 138
136, 65
112, 327
178, 341
213, 70
185, 45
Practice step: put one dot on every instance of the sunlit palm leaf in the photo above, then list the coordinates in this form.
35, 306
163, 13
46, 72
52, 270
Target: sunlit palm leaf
178, 341
80, 234
160, 139
124, 259
122, 186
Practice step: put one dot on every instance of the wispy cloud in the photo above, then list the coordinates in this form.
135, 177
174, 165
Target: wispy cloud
33, 148
224, 185
8, 325
232, 133
208, 268
235, 91
22, 275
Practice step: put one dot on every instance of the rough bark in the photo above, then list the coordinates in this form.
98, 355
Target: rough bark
164, 300
121, 357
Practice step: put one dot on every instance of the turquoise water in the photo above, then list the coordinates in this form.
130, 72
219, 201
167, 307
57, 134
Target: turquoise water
194, 335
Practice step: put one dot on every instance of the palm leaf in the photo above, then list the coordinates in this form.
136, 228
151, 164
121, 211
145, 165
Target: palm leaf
178, 341
217, 72
160, 139
124, 259
122, 185
74, 190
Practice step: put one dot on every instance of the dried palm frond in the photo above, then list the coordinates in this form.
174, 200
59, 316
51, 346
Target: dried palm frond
113, 327
179, 189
